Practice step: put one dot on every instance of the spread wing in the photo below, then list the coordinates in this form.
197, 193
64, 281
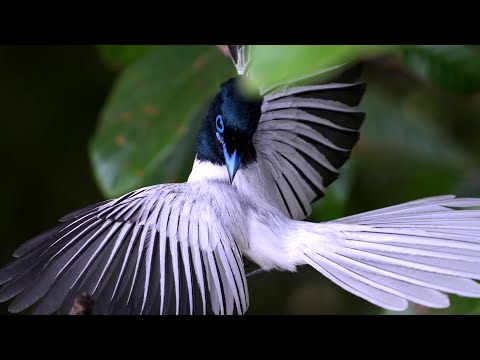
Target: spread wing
307, 131
158, 250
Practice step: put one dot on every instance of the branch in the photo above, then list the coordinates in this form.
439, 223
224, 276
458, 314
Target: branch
82, 305
224, 50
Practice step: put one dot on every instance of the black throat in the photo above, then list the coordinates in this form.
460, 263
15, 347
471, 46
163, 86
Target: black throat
240, 113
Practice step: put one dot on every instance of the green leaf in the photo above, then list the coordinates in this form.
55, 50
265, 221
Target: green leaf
454, 68
461, 306
275, 63
119, 56
404, 153
334, 204
149, 125
407, 127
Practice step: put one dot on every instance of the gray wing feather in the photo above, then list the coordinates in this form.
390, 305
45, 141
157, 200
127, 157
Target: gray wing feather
307, 130
144, 253
306, 133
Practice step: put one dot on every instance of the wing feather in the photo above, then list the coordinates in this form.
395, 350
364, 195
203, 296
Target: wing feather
307, 130
312, 128
147, 252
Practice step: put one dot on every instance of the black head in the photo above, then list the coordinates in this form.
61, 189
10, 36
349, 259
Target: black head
226, 134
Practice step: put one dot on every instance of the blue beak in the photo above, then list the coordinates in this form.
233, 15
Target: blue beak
233, 162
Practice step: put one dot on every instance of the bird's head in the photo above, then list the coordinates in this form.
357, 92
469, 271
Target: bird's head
225, 137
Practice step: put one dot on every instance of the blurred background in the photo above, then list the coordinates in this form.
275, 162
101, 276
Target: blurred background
82, 123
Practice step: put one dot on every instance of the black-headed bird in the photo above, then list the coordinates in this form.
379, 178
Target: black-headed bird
260, 164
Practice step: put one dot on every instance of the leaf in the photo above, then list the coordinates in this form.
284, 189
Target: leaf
461, 306
119, 56
334, 204
403, 153
405, 127
149, 125
454, 68
272, 64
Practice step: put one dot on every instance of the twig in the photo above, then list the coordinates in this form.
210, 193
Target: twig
255, 272
82, 305
224, 50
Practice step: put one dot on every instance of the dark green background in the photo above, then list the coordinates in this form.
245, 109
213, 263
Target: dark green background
418, 140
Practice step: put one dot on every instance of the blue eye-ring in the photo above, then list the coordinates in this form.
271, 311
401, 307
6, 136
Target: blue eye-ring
219, 124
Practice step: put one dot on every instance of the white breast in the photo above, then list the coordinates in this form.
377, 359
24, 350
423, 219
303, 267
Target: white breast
204, 170
266, 226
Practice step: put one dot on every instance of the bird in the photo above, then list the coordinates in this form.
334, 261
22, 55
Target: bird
261, 162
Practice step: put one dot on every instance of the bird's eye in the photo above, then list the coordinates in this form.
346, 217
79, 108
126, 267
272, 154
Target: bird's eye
219, 124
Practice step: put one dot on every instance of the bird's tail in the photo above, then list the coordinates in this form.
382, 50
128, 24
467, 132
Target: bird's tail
415, 251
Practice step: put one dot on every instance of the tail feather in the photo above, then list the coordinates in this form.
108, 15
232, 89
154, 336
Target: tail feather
347, 280
427, 206
415, 251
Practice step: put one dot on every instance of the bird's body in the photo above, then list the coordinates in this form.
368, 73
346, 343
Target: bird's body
267, 228
261, 162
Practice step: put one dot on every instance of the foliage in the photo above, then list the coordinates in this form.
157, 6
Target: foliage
147, 129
